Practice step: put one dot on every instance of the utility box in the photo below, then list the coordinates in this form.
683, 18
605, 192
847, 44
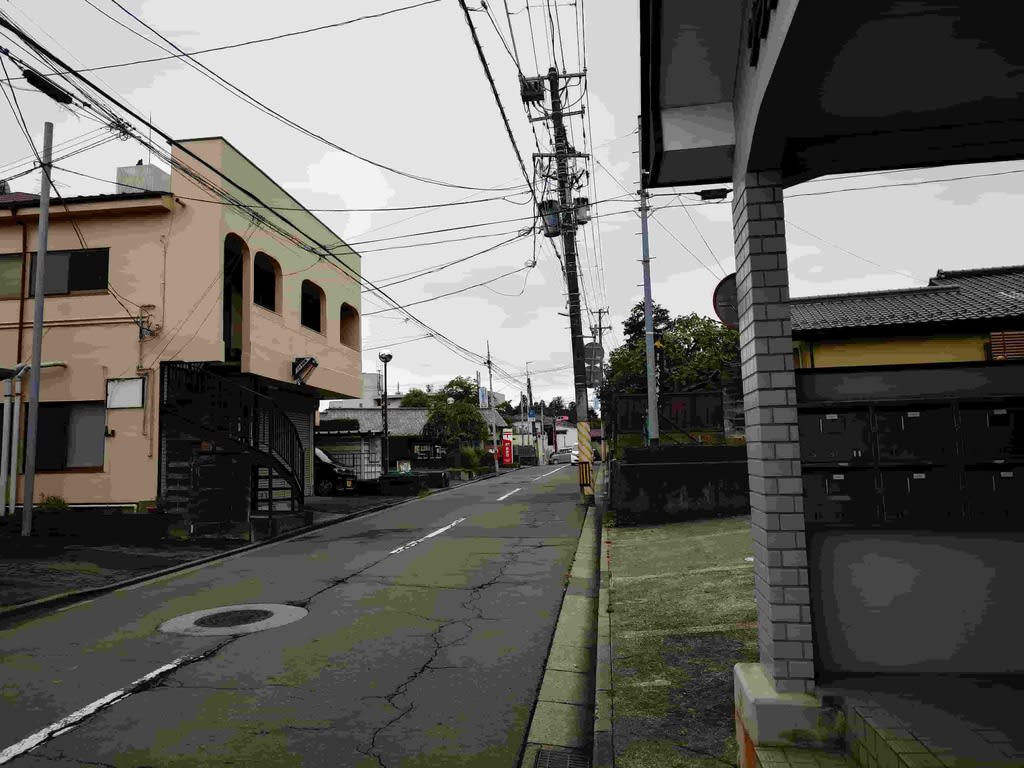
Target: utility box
833, 437
916, 434
847, 497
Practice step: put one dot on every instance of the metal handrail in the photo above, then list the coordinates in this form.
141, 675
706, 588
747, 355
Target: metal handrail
237, 411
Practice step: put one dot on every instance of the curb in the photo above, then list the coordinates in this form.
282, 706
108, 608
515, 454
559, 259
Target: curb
66, 598
560, 724
604, 752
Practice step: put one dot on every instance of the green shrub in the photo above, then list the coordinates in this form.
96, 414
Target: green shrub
469, 457
54, 502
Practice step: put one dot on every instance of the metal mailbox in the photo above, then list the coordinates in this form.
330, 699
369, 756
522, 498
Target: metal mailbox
848, 497
915, 434
925, 496
832, 437
995, 495
992, 432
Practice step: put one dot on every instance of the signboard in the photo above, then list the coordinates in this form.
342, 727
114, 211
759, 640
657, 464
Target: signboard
506, 433
531, 414
506, 452
690, 411
482, 392
562, 418
726, 302
593, 353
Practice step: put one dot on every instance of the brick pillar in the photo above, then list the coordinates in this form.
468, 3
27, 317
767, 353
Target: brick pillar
773, 447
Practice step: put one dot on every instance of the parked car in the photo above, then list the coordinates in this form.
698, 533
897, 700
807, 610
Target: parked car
564, 456
330, 478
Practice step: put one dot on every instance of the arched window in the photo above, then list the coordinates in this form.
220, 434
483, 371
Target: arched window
313, 302
349, 326
266, 282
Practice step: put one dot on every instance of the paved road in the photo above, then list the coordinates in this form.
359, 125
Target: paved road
428, 655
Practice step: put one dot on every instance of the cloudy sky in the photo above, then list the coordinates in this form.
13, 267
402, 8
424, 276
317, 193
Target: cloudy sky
408, 90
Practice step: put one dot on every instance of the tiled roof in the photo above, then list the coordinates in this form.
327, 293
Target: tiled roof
402, 422
24, 200
950, 297
17, 197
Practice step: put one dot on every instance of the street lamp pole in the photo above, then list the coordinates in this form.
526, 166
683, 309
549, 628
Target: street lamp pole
385, 357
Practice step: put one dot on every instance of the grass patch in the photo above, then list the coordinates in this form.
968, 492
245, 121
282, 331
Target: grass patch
683, 614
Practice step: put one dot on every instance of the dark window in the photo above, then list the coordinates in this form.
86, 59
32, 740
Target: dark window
71, 435
312, 306
349, 326
10, 276
264, 282
71, 271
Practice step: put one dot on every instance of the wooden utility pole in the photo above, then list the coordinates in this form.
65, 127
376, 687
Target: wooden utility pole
568, 226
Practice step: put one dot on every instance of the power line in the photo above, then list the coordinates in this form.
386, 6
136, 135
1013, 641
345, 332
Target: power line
255, 41
443, 339
706, 244
315, 210
497, 99
452, 293
405, 277
851, 253
253, 101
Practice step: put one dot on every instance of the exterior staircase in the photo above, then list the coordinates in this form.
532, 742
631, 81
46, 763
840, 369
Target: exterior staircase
253, 451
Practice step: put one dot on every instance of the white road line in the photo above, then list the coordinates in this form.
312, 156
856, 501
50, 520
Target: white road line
428, 536
548, 473
517, 490
74, 718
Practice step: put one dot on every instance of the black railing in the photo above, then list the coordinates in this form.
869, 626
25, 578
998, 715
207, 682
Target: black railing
219, 405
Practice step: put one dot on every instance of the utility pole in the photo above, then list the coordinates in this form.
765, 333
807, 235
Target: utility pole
490, 388
32, 428
568, 227
652, 392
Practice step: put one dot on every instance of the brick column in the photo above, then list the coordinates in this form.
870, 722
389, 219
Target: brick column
773, 446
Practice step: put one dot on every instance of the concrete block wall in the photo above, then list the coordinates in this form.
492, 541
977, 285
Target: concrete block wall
773, 448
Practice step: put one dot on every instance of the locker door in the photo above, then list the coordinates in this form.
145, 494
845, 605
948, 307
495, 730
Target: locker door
921, 434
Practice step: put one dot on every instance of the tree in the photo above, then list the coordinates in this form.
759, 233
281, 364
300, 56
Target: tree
633, 326
460, 389
455, 423
417, 398
507, 409
694, 350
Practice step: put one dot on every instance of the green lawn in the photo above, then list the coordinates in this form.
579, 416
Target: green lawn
682, 614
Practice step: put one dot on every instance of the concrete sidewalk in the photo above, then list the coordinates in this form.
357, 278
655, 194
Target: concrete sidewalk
676, 612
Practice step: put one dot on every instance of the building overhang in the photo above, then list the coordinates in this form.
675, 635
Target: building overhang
688, 71
812, 89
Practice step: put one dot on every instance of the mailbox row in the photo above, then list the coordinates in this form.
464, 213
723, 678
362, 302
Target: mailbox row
965, 432
921, 497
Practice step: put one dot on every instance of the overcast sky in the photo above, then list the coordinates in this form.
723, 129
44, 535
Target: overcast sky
408, 90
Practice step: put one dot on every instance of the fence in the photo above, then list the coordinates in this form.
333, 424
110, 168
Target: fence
676, 483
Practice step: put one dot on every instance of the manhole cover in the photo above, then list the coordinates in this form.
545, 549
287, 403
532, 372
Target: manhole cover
233, 618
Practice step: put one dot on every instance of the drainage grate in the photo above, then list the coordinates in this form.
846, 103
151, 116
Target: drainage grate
233, 618
550, 758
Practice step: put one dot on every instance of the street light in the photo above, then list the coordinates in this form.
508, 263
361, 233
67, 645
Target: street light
385, 357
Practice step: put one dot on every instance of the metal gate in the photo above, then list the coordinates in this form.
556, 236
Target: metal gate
365, 463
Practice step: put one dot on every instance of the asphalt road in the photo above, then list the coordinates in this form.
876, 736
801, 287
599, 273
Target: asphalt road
422, 655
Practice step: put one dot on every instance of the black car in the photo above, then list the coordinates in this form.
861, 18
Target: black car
330, 478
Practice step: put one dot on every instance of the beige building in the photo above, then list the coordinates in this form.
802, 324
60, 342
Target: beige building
196, 339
